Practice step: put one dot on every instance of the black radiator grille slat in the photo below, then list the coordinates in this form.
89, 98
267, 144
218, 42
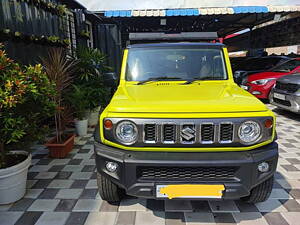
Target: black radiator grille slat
226, 132
207, 132
291, 88
282, 102
169, 132
150, 132
186, 173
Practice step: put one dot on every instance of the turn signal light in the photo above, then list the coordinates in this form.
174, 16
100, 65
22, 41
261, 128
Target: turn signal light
269, 123
108, 124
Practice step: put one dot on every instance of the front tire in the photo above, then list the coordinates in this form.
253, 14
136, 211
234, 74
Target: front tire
261, 192
108, 190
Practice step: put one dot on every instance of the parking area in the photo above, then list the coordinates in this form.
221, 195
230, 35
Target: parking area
64, 191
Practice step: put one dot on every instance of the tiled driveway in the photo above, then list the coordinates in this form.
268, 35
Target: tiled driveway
64, 191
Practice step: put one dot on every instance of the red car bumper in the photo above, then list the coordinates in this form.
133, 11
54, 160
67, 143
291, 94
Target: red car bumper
261, 91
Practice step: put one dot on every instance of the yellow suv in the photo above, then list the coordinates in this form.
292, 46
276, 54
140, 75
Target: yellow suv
179, 127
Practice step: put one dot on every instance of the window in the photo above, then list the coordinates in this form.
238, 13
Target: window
181, 63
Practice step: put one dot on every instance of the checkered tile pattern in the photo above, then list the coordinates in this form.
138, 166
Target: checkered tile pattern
64, 191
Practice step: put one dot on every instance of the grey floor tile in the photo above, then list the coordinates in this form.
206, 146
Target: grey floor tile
275, 218
53, 218
45, 175
89, 194
133, 204
174, 218
223, 206
63, 175
40, 184
224, 218
246, 207
101, 218
28, 218
79, 184
89, 168
91, 184
75, 161
68, 193
9, 218
21, 205
270, 205
200, 206
109, 207
33, 193
150, 218
155, 205
292, 218
249, 218
81, 175
56, 168
66, 205
291, 205
197, 218
60, 184
125, 218
43, 205
178, 206
77, 218
88, 205
48, 194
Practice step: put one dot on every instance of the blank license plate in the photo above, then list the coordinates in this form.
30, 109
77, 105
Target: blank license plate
190, 191
279, 96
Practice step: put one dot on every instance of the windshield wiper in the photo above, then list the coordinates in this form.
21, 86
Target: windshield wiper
158, 79
190, 81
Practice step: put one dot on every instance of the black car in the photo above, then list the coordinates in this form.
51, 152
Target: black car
256, 65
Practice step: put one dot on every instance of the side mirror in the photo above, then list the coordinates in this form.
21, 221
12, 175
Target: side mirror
110, 79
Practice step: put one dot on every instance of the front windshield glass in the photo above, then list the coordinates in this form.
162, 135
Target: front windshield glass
287, 66
176, 64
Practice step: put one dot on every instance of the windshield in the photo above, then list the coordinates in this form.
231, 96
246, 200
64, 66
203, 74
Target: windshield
176, 64
287, 66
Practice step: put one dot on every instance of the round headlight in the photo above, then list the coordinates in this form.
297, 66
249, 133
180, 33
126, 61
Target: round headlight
127, 132
249, 132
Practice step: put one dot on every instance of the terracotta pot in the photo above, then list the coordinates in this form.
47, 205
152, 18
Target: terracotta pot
60, 150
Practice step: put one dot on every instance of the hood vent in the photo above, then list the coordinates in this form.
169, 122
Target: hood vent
162, 84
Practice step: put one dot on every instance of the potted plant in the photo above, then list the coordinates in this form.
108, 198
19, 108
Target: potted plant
59, 70
90, 69
78, 101
20, 89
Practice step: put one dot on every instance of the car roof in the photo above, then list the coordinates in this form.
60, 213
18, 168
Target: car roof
177, 44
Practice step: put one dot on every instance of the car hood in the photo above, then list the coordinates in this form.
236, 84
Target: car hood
265, 75
292, 79
171, 97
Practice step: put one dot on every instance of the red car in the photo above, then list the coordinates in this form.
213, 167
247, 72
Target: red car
260, 84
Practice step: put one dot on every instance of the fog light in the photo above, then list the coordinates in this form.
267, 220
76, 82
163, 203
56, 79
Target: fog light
111, 167
263, 167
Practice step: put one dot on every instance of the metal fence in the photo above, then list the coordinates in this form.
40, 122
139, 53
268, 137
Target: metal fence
29, 27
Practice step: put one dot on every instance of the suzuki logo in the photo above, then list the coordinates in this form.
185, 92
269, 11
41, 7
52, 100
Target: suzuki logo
188, 133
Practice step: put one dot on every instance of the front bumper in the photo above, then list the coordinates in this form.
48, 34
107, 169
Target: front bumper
291, 102
130, 177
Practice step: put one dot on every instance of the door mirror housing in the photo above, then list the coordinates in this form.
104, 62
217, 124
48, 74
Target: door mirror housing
110, 79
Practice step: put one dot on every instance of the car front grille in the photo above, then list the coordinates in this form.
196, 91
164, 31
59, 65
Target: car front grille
282, 102
186, 173
205, 133
291, 88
